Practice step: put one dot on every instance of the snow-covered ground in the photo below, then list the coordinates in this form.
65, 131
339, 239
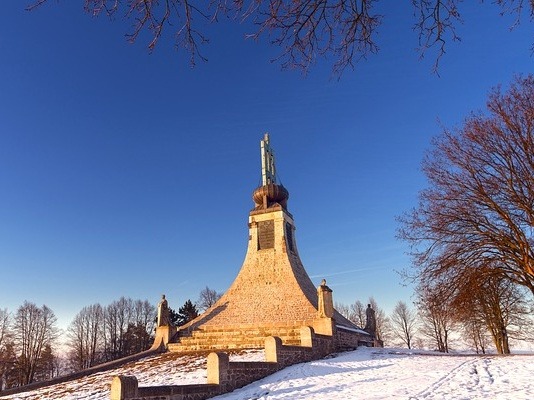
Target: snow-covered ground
366, 373
398, 374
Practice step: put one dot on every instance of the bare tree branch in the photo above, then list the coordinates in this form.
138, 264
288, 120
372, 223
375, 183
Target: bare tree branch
479, 208
305, 30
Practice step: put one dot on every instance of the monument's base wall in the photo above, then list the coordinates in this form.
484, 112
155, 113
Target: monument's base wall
225, 376
250, 336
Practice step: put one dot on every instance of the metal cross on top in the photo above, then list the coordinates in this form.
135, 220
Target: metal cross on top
268, 172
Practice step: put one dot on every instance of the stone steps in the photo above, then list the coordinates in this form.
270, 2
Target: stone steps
247, 333
236, 338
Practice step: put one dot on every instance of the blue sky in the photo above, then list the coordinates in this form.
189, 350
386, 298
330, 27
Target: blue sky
124, 173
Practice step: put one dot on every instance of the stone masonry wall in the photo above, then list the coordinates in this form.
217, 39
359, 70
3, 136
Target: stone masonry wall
225, 376
350, 340
272, 285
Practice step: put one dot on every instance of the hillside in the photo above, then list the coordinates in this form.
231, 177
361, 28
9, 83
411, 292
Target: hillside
366, 373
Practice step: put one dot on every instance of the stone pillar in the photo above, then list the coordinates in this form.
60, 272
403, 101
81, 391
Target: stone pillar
273, 345
218, 365
306, 336
123, 388
325, 307
163, 337
324, 326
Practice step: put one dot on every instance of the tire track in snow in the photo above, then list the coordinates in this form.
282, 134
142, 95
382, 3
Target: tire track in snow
433, 387
473, 377
482, 373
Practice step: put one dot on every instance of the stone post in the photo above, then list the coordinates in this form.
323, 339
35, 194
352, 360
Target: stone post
123, 387
218, 365
306, 336
273, 344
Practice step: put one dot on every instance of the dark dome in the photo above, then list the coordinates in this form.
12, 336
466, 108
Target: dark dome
274, 193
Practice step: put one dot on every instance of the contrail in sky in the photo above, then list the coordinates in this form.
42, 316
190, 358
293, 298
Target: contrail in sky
350, 271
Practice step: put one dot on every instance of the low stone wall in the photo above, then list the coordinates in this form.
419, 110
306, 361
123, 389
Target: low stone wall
182, 392
225, 376
232, 375
126, 387
80, 374
348, 339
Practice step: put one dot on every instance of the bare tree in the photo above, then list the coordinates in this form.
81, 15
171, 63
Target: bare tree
383, 326
493, 302
304, 30
144, 314
343, 309
404, 323
7, 354
4, 327
476, 334
138, 335
478, 211
437, 317
99, 334
34, 328
117, 317
85, 337
207, 298
357, 313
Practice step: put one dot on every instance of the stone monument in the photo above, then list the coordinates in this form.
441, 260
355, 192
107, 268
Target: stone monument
272, 294
164, 328
370, 323
163, 312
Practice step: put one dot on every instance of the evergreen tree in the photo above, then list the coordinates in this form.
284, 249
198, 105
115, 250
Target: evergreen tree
9, 374
47, 366
136, 339
185, 314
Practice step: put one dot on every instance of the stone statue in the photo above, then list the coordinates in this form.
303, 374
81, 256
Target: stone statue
370, 324
163, 312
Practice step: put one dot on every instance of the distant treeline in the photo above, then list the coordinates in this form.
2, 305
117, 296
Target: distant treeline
30, 339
